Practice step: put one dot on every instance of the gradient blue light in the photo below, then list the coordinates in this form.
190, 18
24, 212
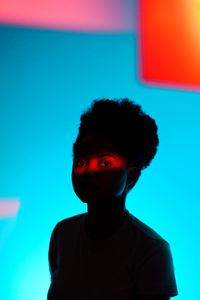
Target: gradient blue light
47, 79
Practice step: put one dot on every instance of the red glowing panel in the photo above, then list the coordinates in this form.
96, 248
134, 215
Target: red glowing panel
169, 42
72, 15
9, 207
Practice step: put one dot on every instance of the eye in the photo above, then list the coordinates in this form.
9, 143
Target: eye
78, 163
105, 163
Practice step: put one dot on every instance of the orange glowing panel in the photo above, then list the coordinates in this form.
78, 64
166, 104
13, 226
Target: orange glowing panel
9, 207
71, 15
169, 43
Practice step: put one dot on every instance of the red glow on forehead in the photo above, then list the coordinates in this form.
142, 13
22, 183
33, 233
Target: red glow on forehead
9, 207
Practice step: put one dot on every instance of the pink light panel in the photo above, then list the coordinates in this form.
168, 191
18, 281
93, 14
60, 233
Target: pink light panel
9, 207
71, 15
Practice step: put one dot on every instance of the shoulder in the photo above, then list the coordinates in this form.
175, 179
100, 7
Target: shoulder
143, 230
152, 263
71, 220
68, 224
146, 242
153, 297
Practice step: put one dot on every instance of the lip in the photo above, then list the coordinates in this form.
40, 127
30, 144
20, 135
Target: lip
88, 185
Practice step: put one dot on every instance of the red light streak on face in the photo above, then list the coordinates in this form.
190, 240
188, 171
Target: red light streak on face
98, 163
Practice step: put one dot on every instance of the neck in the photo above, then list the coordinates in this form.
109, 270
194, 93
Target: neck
103, 221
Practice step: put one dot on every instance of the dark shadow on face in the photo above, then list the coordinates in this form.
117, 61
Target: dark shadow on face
100, 171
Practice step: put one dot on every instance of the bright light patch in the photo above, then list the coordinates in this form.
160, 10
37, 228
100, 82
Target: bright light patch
9, 207
33, 270
71, 15
169, 43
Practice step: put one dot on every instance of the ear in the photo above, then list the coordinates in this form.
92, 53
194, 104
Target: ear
133, 176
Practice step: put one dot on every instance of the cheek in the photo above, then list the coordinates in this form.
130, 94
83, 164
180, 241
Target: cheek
109, 183
117, 182
75, 181
112, 183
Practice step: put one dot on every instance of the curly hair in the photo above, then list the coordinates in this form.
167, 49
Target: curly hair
124, 122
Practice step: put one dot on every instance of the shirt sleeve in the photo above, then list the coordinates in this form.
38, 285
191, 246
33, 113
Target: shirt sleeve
155, 275
53, 252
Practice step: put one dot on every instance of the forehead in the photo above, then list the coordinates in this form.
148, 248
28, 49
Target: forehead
97, 144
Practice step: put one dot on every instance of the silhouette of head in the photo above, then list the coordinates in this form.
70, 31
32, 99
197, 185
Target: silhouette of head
116, 140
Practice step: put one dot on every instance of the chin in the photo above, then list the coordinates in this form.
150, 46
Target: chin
86, 196
89, 199
83, 200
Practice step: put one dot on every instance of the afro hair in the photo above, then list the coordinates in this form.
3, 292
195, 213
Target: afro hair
124, 122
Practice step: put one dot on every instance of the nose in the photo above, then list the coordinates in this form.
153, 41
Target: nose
91, 166
89, 174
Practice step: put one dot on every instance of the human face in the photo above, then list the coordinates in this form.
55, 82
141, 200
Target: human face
99, 171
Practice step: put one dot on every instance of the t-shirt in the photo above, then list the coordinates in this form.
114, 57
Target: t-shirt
134, 260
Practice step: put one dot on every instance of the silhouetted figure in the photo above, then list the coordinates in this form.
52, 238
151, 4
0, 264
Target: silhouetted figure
107, 253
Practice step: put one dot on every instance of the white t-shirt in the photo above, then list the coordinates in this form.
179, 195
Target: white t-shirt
135, 260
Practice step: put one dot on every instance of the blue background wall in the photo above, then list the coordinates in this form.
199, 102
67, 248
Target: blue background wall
47, 79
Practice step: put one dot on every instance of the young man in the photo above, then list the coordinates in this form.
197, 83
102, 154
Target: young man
107, 253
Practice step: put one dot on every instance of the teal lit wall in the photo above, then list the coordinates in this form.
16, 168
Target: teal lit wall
47, 79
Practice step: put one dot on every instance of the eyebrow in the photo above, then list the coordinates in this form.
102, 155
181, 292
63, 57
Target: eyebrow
100, 155
107, 154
